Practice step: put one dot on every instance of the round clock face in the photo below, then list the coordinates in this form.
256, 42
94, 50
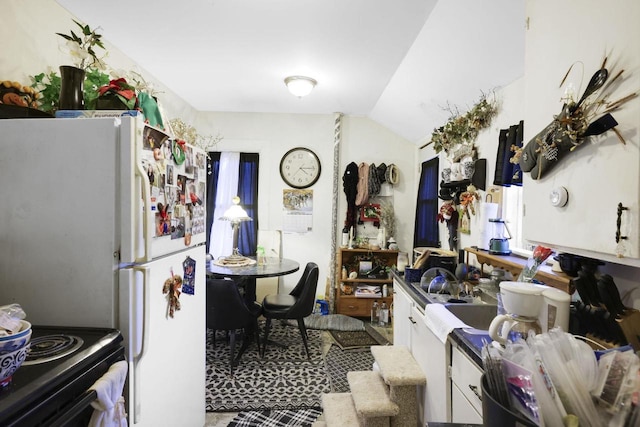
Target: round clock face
300, 167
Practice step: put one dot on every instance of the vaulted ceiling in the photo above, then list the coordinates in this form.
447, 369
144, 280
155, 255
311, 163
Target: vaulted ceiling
403, 63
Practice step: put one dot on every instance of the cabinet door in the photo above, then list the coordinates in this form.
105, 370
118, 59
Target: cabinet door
432, 356
467, 377
602, 172
401, 316
462, 411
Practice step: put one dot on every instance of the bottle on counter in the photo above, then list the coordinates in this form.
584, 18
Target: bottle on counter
383, 315
374, 313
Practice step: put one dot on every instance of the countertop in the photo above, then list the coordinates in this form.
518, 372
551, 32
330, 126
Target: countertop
468, 341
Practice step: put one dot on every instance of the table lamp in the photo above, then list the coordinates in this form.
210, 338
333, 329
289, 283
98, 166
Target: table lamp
235, 214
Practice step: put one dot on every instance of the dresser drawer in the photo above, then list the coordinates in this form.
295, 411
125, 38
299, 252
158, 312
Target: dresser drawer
358, 307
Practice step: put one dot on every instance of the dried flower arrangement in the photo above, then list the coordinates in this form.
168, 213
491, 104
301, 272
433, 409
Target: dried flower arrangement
188, 133
578, 120
463, 128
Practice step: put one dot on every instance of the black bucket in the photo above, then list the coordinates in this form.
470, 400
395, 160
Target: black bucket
494, 414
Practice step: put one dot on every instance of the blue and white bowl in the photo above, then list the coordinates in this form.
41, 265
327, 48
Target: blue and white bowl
16, 341
10, 362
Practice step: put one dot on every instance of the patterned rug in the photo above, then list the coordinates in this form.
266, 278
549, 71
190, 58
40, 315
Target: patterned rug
338, 362
348, 340
282, 418
284, 379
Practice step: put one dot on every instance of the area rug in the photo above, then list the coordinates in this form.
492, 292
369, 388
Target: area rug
348, 340
284, 379
338, 362
335, 322
276, 418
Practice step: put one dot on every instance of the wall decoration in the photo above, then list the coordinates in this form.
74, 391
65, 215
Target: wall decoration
578, 120
456, 137
370, 212
297, 211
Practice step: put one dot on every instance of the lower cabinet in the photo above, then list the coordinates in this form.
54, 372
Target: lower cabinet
402, 303
466, 391
431, 354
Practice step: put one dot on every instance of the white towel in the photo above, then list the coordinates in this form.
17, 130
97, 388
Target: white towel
109, 406
441, 321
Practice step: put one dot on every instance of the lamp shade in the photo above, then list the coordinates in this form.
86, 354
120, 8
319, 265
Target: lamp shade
299, 85
235, 212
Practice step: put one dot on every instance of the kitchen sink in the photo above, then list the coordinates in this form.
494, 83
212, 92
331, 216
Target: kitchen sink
478, 316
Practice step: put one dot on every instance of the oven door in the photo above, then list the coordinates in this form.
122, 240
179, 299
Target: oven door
70, 405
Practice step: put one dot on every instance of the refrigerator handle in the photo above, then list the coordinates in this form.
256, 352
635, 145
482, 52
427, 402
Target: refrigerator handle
141, 314
146, 212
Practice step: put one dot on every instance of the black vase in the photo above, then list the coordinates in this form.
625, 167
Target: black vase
71, 88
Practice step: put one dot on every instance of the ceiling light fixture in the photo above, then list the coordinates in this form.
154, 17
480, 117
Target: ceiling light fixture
300, 85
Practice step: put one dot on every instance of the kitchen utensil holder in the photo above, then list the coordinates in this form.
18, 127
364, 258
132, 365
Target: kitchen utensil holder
630, 325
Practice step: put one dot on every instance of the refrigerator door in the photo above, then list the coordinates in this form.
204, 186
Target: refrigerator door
166, 354
171, 181
59, 224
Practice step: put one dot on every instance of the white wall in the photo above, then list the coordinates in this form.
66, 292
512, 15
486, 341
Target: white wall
34, 24
510, 111
272, 135
30, 46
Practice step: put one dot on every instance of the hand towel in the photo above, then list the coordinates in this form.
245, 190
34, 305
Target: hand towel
441, 321
109, 409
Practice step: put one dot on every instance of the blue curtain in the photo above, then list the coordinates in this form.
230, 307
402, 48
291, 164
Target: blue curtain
507, 173
426, 228
248, 193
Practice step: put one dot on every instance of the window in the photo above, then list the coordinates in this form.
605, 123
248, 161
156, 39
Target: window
426, 229
232, 174
512, 213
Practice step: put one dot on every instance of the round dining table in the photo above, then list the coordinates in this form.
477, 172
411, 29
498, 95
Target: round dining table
271, 267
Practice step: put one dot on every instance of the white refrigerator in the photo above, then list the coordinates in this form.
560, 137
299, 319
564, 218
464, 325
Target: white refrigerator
102, 225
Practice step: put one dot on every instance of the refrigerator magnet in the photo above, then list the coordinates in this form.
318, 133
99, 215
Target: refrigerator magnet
171, 288
189, 279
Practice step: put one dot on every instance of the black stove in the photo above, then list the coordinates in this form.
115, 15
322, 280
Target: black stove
51, 386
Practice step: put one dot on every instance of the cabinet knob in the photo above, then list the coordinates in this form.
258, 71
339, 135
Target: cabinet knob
411, 320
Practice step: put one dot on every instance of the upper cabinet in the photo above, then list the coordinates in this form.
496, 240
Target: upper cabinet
603, 173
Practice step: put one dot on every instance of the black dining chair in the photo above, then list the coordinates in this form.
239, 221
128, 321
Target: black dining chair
297, 305
227, 311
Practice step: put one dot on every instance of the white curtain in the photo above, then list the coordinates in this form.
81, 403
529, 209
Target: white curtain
221, 236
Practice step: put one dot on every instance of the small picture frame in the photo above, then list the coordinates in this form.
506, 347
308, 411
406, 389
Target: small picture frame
365, 267
370, 212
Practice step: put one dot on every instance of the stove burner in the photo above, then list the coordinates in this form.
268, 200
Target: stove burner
51, 347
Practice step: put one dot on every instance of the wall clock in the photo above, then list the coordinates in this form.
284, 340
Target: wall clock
300, 167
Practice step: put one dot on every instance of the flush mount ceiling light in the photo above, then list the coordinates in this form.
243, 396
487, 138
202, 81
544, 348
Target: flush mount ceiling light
299, 85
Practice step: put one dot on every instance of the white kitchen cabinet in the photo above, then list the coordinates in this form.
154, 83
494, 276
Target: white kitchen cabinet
466, 391
431, 354
402, 303
603, 172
